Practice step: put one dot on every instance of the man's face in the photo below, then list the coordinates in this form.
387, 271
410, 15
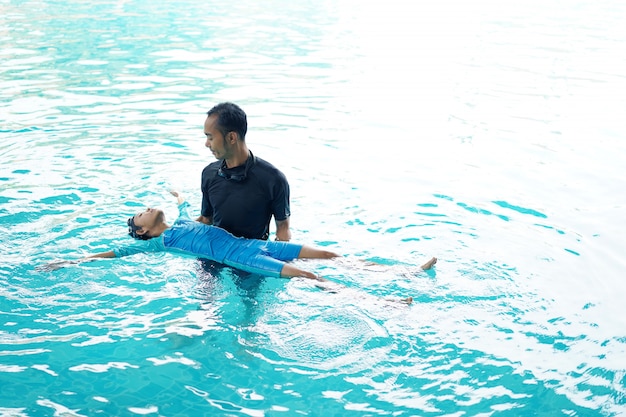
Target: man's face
149, 218
215, 141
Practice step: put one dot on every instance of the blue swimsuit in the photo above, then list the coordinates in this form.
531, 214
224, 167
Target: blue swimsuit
190, 237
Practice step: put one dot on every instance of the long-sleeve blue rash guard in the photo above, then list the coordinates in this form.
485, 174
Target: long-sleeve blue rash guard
189, 237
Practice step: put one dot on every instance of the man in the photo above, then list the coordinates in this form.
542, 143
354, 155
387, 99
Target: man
241, 192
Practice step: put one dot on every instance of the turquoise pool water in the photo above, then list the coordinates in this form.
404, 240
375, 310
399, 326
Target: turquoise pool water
490, 135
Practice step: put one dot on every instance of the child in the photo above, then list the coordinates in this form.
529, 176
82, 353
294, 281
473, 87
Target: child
204, 241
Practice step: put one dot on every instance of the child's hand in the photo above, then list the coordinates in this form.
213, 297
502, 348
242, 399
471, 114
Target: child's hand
178, 196
53, 266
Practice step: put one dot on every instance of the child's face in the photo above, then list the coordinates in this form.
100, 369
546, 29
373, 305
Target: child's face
149, 218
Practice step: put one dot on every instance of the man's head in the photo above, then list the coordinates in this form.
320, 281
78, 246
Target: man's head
229, 117
146, 224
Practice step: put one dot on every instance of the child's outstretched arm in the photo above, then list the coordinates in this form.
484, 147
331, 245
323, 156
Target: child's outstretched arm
53, 266
179, 197
183, 207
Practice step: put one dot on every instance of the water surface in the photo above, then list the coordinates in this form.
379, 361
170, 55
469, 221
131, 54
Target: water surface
487, 135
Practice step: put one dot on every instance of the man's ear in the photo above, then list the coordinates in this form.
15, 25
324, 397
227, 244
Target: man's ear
141, 232
232, 137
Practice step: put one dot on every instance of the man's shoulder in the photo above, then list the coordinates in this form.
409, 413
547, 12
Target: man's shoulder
213, 165
263, 165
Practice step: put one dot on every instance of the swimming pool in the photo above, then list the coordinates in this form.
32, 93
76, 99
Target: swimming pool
490, 136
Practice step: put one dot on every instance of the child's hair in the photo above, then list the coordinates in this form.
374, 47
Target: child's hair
132, 230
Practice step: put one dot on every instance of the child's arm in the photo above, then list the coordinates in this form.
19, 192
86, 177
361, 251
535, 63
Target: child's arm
108, 254
180, 199
183, 208
53, 266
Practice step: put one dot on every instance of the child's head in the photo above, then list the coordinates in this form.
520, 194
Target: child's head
133, 229
140, 224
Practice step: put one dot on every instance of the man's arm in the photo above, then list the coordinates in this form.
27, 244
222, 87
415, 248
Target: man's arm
206, 206
283, 233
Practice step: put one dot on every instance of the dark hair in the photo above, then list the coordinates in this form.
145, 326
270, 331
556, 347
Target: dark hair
132, 230
230, 118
